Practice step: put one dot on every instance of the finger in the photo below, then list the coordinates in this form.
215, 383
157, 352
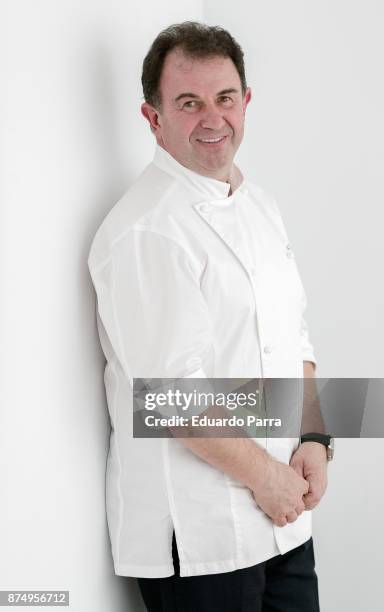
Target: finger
298, 467
310, 501
298, 471
280, 521
306, 485
315, 491
311, 505
300, 509
291, 516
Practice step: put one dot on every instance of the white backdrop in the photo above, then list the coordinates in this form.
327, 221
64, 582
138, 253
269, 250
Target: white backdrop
314, 137
74, 141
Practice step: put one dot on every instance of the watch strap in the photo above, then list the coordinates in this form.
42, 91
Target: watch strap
323, 438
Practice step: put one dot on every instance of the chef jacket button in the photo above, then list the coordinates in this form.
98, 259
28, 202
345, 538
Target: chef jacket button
288, 251
267, 349
253, 272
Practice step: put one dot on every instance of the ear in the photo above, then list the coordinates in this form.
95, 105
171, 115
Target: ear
246, 99
152, 115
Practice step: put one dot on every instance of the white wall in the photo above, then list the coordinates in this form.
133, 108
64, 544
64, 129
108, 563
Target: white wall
314, 137
74, 139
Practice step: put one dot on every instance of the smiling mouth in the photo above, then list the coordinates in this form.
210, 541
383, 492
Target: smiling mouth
211, 141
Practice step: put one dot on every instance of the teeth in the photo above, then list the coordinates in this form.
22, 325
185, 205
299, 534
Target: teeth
211, 139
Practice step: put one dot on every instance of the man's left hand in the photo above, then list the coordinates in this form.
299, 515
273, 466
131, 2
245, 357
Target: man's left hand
310, 462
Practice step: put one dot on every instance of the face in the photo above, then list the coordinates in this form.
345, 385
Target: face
201, 121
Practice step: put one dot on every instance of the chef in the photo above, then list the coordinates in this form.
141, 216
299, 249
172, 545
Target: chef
195, 277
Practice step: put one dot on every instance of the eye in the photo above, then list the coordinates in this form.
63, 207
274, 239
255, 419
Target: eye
190, 105
227, 100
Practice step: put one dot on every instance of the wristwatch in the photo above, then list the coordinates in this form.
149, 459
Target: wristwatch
325, 439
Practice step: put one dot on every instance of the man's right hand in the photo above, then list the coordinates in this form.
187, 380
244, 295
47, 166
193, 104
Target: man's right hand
280, 493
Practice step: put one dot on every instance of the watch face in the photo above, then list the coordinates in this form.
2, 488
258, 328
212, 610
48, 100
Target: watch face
330, 449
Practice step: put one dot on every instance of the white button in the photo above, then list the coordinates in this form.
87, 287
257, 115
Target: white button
289, 252
267, 349
253, 271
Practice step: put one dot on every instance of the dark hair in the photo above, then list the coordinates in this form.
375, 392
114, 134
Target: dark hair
196, 40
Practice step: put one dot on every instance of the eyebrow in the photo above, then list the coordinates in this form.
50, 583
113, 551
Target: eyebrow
221, 93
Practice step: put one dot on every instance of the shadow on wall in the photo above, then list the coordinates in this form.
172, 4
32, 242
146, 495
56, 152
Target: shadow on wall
103, 133
105, 130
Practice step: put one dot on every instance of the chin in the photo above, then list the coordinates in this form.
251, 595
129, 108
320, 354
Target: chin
217, 163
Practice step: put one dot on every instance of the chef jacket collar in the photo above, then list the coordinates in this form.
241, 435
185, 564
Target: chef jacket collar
209, 187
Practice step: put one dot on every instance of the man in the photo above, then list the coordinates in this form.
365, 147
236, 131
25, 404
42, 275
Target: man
195, 278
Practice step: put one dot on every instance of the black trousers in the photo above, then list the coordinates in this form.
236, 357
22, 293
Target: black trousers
285, 583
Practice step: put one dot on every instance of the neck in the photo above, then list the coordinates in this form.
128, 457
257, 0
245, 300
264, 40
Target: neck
235, 178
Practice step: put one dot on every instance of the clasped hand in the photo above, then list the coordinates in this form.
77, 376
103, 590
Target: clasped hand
288, 490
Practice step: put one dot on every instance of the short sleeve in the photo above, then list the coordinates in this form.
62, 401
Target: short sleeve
152, 308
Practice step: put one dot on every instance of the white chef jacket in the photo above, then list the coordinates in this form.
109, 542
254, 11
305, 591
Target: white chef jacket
192, 283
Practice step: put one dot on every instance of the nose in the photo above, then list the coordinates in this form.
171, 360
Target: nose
212, 119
